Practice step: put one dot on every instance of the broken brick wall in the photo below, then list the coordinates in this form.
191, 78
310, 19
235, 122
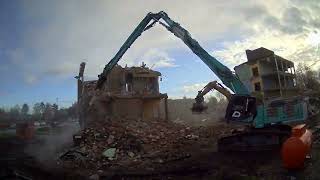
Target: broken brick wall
130, 108
137, 108
127, 93
151, 109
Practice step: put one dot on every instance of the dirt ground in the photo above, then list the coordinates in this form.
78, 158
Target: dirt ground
199, 160
204, 163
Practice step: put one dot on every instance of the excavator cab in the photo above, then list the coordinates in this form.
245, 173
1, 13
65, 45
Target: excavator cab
241, 108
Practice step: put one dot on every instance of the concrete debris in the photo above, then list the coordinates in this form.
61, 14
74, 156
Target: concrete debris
73, 155
110, 139
130, 142
131, 154
316, 134
192, 136
109, 153
94, 177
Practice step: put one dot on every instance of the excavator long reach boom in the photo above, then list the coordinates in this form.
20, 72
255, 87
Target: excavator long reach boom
265, 131
224, 73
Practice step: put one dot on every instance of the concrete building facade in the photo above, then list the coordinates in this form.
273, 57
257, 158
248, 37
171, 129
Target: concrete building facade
267, 75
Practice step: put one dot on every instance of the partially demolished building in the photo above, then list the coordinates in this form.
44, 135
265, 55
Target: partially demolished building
128, 92
267, 75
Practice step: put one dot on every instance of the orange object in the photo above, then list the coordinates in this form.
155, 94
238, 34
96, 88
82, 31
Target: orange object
297, 147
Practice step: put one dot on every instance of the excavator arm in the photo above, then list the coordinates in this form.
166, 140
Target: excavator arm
224, 73
199, 106
143, 26
217, 86
228, 78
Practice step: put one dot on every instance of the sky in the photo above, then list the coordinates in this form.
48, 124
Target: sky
42, 42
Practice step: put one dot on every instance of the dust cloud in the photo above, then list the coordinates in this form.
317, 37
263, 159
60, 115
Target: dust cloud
47, 147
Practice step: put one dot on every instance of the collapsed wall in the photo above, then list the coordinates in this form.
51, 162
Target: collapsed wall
128, 92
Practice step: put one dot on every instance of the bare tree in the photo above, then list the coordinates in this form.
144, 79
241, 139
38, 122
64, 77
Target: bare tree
307, 78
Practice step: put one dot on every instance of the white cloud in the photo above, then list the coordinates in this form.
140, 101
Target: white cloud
314, 38
193, 88
190, 90
77, 30
95, 31
157, 59
290, 31
294, 47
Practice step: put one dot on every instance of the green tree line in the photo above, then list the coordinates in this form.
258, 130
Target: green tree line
38, 112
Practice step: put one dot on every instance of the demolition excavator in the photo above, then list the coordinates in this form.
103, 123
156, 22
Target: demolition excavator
262, 132
199, 105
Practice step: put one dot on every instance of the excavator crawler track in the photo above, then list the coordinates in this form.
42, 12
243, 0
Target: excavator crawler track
265, 139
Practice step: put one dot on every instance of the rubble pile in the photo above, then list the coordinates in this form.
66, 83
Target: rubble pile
128, 142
